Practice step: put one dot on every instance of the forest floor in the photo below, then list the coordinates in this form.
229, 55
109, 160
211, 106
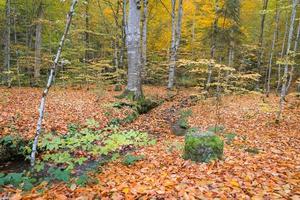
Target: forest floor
262, 161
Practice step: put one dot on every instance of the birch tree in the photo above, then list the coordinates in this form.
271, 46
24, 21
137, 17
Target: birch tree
175, 41
286, 67
49, 82
38, 42
133, 37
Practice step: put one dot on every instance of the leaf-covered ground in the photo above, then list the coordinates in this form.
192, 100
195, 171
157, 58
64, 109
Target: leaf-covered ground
271, 172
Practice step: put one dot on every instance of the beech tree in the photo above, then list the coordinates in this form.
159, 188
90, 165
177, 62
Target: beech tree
133, 36
7, 42
176, 36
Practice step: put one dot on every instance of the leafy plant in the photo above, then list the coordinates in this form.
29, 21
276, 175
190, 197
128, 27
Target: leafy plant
216, 128
230, 137
59, 174
17, 180
130, 159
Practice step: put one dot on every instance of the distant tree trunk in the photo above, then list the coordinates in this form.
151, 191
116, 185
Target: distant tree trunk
7, 43
49, 83
281, 55
124, 32
144, 36
286, 69
213, 46
38, 43
294, 54
133, 49
272, 53
176, 36
86, 33
261, 36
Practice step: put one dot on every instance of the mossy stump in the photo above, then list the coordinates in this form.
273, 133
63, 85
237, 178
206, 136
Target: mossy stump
203, 147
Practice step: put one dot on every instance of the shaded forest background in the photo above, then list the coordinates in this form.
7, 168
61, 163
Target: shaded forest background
240, 34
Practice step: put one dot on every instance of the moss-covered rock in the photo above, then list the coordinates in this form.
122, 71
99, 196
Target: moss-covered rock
144, 105
203, 147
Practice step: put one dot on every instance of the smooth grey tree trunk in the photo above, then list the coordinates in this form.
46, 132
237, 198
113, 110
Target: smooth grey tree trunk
38, 43
282, 54
124, 32
133, 49
261, 36
286, 68
213, 46
7, 42
175, 41
272, 52
49, 83
144, 36
294, 54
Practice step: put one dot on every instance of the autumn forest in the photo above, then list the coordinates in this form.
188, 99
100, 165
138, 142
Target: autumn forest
149, 99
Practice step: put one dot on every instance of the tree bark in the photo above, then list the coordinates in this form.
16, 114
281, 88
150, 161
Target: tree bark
294, 54
7, 42
86, 33
213, 46
49, 82
282, 54
133, 49
144, 36
272, 53
176, 36
286, 69
38, 43
261, 36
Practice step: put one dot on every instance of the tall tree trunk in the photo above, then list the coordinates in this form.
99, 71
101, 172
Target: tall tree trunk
272, 53
176, 36
133, 49
38, 43
49, 83
124, 32
144, 36
7, 43
286, 68
213, 46
294, 54
261, 36
86, 33
282, 54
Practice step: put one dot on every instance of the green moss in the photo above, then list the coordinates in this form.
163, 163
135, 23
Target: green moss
203, 147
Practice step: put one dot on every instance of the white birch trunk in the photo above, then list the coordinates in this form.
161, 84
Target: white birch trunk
133, 49
286, 68
49, 82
